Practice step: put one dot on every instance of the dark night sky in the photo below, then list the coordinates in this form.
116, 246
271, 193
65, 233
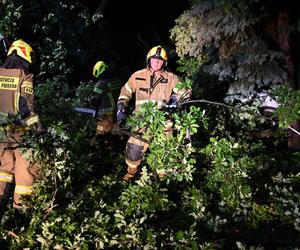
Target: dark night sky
148, 20
130, 28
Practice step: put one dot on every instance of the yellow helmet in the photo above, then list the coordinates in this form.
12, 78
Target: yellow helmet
99, 68
157, 52
22, 49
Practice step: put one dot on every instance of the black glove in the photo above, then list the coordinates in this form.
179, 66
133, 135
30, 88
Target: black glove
173, 102
121, 115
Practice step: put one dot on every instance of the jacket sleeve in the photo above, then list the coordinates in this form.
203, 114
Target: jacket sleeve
26, 101
99, 90
127, 90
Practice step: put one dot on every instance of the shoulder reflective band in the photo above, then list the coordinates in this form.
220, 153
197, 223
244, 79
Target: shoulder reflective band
9, 83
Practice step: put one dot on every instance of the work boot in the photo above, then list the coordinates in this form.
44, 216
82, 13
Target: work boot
130, 173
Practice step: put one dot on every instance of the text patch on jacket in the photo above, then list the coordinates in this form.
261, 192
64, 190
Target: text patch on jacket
9, 83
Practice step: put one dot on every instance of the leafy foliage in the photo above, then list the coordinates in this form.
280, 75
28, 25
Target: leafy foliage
288, 111
222, 36
231, 166
224, 188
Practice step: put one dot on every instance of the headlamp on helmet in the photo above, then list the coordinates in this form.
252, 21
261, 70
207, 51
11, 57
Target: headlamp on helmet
157, 52
22, 49
99, 68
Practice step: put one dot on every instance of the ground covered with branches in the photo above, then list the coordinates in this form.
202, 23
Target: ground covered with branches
234, 184
220, 192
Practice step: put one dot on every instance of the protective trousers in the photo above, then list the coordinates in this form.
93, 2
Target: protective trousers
16, 170
105, 124
135, 150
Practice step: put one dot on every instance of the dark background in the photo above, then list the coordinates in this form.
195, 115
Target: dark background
136, 26
122, 36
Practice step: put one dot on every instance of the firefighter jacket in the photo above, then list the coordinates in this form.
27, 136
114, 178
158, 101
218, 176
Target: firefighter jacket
148, 87
105, 96
17, 95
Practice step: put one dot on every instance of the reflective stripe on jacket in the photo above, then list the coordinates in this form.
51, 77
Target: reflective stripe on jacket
109, 91
147, 88
17, 94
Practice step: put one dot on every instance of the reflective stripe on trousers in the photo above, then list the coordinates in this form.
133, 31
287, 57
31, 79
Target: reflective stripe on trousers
15, 168
6, 177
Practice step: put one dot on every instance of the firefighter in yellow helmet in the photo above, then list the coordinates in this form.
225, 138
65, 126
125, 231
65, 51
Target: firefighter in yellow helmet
153, 83
104, 100
17, 104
